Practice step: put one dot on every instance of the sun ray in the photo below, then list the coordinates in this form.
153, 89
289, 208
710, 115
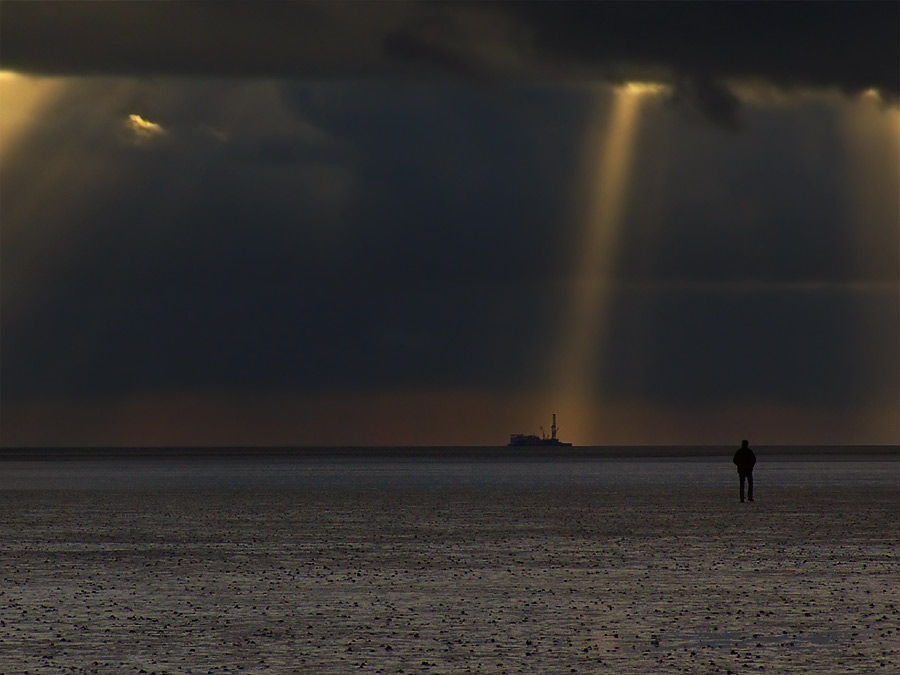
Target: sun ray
21, 101
609, 145
871, 136
46, 182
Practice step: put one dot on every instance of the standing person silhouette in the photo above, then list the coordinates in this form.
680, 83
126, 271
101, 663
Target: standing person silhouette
744, 459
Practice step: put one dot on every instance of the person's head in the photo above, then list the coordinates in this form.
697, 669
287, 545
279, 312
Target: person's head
744, 444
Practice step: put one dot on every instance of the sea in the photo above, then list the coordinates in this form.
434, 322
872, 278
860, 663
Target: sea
448, 560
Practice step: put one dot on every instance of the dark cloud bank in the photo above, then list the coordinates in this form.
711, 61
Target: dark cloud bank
848, 45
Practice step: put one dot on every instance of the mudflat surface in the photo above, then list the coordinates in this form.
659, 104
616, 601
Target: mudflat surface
444, 580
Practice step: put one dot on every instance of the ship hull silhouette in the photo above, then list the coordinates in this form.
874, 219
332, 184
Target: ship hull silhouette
530, 440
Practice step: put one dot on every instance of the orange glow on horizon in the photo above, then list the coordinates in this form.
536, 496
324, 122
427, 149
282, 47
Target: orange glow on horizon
416, 418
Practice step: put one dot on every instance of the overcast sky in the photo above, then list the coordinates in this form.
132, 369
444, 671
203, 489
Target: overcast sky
440, 223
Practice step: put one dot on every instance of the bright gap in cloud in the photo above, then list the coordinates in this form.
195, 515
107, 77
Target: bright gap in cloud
645, 88
143, 130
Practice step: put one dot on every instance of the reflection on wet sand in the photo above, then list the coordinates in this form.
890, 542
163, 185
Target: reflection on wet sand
450, 580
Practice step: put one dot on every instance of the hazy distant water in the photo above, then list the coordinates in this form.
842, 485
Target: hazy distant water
344, 473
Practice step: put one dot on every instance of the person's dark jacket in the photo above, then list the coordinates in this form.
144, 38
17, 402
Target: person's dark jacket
744, 459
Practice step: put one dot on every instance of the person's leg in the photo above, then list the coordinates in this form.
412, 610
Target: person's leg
750, 486
742, 486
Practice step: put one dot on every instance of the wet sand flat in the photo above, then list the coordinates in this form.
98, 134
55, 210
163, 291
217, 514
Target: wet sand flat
449, 581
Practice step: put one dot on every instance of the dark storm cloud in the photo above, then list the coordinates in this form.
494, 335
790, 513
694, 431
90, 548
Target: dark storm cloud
848, 45
155, 38
406, 46
452, 184
699, 45
707, 345
713, 99
215, 263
